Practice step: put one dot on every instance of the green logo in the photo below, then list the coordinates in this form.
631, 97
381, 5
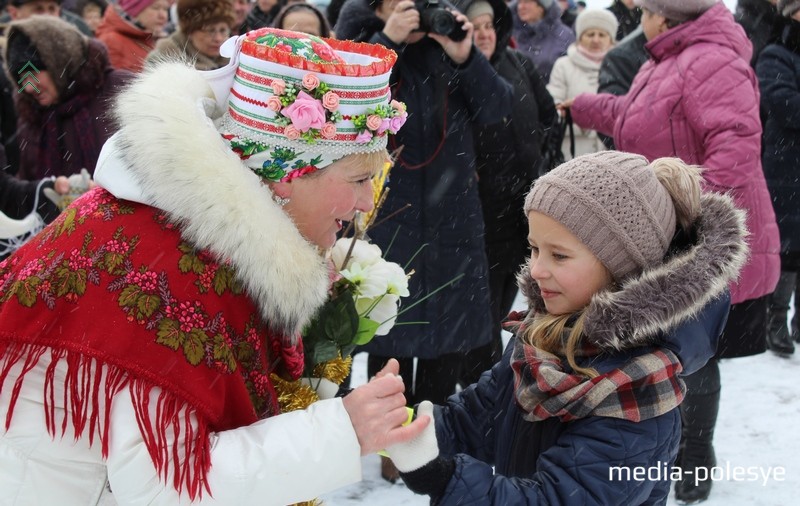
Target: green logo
28, 77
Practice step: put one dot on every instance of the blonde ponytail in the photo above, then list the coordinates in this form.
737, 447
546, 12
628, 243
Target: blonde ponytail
682, 181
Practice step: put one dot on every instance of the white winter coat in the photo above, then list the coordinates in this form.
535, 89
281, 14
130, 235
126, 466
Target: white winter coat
572, 75
280, 460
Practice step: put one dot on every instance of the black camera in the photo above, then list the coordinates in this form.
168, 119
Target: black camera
433, 18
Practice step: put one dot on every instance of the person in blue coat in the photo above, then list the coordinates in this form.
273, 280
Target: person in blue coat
539, 32
627, 290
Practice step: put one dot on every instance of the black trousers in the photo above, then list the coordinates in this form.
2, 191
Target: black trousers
435, 379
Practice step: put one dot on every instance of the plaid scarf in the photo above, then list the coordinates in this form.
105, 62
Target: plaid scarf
645, 387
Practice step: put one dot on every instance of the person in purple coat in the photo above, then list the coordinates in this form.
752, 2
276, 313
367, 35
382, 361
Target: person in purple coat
539, 32
697, 99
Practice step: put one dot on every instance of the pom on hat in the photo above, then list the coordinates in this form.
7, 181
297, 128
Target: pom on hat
613, 203
299, 103
193, 15
788, 7
133, 7
676, 10
479, 8
601, 19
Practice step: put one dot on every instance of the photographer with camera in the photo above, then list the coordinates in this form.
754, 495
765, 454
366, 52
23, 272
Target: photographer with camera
449, 87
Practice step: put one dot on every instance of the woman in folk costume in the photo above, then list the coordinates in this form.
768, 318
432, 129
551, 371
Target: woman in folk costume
627, 288
150, 336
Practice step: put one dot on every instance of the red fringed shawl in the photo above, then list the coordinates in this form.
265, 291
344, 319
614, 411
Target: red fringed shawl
113, 290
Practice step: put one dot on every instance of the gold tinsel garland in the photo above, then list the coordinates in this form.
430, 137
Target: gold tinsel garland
293, 395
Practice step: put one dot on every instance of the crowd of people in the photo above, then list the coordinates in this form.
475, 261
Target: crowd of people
633, 171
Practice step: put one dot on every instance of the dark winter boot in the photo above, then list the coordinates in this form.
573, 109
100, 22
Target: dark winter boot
699, 415
796, 317
779, 340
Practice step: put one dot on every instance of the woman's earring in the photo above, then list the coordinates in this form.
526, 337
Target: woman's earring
281, 201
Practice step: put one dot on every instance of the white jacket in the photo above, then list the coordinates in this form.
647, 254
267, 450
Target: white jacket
169, 155
572, 75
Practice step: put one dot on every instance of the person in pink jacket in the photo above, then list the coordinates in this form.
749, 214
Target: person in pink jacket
697, 99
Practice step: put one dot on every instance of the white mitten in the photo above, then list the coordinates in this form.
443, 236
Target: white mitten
414, 454
78, 185
325, 388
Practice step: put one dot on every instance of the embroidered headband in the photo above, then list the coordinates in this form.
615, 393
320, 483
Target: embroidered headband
297, 103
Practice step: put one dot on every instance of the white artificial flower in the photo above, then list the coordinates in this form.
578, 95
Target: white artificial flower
370, 280
396, 279
363, 253
383, 312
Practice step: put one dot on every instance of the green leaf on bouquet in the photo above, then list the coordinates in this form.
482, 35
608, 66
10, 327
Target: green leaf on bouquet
366, 330
339, 319
322, 352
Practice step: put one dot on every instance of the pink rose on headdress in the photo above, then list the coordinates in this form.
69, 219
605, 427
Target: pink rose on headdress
328, 130
310, 81
400, 106
274, 104
364, 137
305, 112
330, 101
294, 174
291, 132
278, 86
397, 122
325, 52
374, 121
385, 125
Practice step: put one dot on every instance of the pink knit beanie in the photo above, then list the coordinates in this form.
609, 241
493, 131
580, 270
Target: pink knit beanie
133, 7
614, 204
676, 10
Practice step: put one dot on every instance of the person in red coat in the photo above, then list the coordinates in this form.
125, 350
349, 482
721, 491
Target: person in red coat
130, 31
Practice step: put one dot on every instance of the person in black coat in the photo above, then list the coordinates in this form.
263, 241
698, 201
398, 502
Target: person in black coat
508, 158
759, 19
448, 87
778, 71
628, 15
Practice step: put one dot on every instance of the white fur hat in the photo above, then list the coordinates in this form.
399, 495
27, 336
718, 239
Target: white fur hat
596, 18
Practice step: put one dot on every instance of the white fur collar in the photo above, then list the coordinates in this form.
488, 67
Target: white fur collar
168, 154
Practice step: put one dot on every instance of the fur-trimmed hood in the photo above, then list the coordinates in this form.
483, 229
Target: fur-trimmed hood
167, 154
659, 299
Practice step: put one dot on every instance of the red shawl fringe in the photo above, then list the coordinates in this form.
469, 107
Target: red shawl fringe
83, 386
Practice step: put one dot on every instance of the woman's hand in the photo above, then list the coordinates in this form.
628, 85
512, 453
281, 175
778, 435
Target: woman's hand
563, 106
378, 411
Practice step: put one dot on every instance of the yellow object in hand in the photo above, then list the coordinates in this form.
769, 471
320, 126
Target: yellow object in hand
410, 418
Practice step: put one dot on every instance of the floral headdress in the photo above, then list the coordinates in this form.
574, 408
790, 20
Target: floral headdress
298, 103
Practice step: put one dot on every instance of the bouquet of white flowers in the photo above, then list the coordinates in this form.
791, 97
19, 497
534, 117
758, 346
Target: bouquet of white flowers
363, 302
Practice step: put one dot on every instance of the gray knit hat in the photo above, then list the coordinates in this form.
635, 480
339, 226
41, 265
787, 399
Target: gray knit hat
614, 203
676, 10
788, 7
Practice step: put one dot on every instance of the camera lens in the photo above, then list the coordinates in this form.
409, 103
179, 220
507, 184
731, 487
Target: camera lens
440, 21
